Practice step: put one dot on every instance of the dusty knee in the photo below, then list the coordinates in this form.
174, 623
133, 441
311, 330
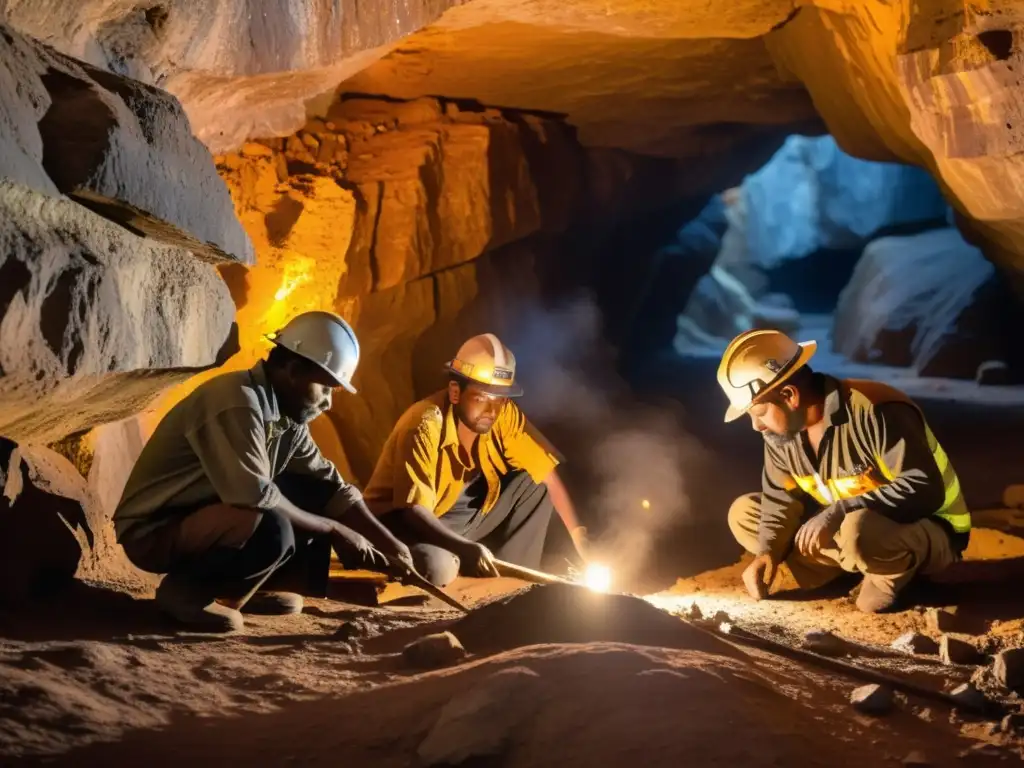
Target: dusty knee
858, 538
743, 516
438, 566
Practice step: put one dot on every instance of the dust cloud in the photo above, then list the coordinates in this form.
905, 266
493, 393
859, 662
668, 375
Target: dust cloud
630, 465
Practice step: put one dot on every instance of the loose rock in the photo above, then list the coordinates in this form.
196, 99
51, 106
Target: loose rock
916, 643
916, 758
438, 650
993, 373
954, 651
694, 612
1012, 723
1009, 668
721, 617
969, 697
872, 699
479, 722
824, 642
941, 619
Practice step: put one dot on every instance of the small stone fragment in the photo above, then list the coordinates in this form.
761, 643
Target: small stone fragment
993, 373
1012, 723
252, 149
824, 642
941, 619
1009, 668
954, 651
694, 612
872, 699
916, 643
916, 758
969, 697
721, 617
432, 651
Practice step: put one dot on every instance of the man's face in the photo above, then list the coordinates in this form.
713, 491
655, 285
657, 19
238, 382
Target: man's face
304, 392
779, 419
474, 407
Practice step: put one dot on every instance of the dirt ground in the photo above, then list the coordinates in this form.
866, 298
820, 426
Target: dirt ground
551, 678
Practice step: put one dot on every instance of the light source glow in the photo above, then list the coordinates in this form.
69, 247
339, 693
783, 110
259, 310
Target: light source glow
645, 504
598, 577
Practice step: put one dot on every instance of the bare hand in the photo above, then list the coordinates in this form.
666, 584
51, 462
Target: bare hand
477, 559
818, 533
758, 576
352, 547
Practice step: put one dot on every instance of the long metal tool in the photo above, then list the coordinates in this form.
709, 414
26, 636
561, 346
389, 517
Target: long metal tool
411, 578
528, 574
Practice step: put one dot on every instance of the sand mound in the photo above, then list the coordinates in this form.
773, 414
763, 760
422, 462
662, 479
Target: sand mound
575, 705
559, 613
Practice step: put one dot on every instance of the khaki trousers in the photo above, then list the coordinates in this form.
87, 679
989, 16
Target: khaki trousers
886, 552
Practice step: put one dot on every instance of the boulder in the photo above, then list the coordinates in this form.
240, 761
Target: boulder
117, 146
480, 722
811, 196
927, 302
95, 321
44, 526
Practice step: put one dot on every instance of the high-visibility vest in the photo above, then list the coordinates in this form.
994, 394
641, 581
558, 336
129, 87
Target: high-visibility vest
954, 508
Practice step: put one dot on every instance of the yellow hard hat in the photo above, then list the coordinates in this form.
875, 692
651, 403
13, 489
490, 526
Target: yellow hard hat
756, 362
484, 360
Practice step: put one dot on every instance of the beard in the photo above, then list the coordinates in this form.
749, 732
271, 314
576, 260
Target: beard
795, 423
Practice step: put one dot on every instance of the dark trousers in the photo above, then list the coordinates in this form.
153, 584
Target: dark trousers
229, 551
514, 530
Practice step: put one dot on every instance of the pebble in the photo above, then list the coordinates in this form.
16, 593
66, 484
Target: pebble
969, 697
916, 643
1008, 668
954, 651
431, 651
824, 642
917, 757
872, 699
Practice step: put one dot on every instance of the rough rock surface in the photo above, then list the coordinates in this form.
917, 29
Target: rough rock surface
923, 301
44, 501
241, 68
118, 146
422, 223
95, 321
431, 651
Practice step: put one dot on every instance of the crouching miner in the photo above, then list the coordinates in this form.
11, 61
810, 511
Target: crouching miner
231, 495
464, 473
853, 480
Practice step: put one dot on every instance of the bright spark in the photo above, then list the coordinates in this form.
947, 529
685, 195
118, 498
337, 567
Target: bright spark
645, 504
598, 577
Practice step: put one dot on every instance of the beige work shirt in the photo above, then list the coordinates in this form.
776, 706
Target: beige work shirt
225, 442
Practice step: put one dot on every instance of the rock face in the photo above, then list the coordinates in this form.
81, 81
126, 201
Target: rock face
94, 321
423, 223
923, 301
115, 145
242, 67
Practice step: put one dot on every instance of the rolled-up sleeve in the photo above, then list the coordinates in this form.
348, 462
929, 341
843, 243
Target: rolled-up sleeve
413, 480
232, 449
306, 459
524, 446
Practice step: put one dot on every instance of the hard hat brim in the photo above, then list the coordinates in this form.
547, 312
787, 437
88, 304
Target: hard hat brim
512, 390
346, 385
807, 350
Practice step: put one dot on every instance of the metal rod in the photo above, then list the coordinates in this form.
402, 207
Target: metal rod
856, 671
523, 573
413, 579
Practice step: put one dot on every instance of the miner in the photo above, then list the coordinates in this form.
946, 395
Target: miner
231, 494
854, 479
464, 474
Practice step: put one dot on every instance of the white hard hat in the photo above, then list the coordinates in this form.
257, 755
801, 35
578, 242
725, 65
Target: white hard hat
484, 360
756, 362
325, 339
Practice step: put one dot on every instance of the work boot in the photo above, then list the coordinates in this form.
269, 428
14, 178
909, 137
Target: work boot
873, 598
273, 604
183, 602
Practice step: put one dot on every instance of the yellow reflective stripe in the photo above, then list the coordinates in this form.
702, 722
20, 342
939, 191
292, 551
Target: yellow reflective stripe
809, 486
